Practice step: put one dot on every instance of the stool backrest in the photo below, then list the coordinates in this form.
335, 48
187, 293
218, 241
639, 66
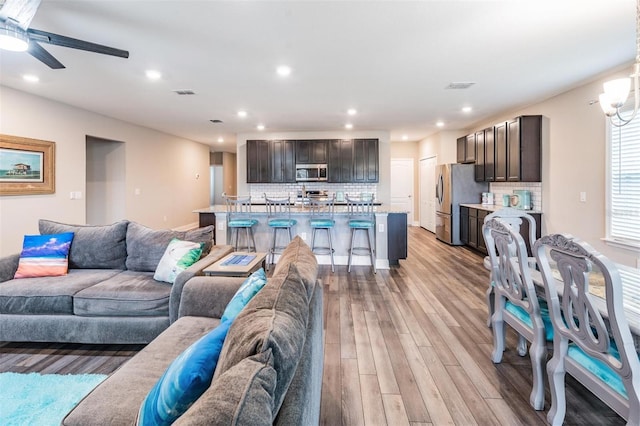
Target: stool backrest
238, 205
322, 207
278, 206
360, 208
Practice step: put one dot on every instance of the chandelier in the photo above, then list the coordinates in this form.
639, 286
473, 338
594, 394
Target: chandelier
616, 91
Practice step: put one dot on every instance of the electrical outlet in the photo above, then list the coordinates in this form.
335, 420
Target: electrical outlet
381, 227
583, 197
221, 225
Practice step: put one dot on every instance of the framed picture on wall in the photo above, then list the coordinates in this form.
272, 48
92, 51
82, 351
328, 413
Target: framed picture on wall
27, 166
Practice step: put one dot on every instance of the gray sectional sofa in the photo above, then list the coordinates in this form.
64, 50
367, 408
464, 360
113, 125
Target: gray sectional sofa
109, 294
270, 368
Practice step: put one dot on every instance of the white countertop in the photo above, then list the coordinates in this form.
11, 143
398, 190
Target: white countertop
297, 209
494, 207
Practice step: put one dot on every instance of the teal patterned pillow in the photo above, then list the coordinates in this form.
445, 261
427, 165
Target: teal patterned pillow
247, 290
188, 376
178, 256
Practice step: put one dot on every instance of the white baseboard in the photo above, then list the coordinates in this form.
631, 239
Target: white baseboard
187, 227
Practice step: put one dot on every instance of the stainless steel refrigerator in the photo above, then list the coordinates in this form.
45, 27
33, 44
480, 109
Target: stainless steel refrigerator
455, 184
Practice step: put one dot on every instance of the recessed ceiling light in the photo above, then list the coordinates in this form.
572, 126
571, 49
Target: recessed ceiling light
260, 127
440, 123
348, 126
405, 137
352, 111
153, 74
220, 140
242, 114
31, 78
467, 109
283, 70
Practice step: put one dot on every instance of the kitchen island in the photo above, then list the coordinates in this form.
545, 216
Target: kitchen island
386, 254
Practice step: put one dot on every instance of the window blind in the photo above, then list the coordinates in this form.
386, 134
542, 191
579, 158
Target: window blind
624, 222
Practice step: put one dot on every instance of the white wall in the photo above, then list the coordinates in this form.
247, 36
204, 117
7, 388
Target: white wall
163, 167
383, 187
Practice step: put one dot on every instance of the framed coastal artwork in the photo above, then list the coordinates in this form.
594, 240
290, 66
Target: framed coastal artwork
27, 166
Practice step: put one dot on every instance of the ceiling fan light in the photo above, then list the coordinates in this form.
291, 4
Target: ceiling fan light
13, 39
605, 104
617, 91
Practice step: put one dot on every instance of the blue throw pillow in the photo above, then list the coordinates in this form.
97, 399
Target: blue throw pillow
247, 290
44, 255
188, 376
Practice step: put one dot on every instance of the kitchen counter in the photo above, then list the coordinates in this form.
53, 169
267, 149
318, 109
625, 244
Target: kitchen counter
495, 207
297, 209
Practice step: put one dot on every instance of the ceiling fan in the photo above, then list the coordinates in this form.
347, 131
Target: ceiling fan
15, 34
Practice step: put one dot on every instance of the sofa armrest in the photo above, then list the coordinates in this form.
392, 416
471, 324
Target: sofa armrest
208, 296
216, 253
8, 267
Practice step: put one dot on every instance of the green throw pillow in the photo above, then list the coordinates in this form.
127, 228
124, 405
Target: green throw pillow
178, 256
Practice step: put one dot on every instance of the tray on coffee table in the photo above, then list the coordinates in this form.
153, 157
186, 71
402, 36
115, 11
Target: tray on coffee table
236, 264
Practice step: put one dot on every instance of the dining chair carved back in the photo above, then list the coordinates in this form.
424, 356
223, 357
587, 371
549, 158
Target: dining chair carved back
515, 218
516, 302
603, 358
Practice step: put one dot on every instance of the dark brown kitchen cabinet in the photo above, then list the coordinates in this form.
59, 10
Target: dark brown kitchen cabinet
464, 225
311, 152
501, 152
481, 245
480, 150
461, 149
489, 155
466, 149
258, 161
472, 224
396, 237
524, 140
340, 164
282, 158
365, 160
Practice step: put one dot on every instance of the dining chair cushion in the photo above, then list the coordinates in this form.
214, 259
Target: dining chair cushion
520, 313
282, 223
365, 224
598, 368
242, 223
322, 223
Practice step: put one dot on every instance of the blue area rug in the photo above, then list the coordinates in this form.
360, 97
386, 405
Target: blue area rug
41, 400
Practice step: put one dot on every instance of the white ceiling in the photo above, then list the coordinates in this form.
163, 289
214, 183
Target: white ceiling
391, 60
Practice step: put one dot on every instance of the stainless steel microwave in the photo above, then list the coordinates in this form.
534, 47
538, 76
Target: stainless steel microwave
311, 172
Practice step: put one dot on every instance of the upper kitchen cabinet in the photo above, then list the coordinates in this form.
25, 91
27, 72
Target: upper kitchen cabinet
501, 152
282, 161
311, 152
489, 155
466, 149
524, 140
480, 158
340, 164
258, 161
365, 160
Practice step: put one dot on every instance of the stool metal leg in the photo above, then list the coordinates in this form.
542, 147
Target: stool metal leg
371, 251
253, 239
353, 238
330, 248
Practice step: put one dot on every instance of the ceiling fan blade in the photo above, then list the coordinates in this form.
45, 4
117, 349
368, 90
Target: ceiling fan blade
20, 11
60, 40
42, 55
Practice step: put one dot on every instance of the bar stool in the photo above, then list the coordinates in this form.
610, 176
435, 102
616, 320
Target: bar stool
361, 218
239, 217
278, 219
322, 210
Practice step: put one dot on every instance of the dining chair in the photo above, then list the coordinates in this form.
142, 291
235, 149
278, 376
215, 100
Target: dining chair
602, 358
238, 218
361, 218
516, 302
278, 219
514, 217
322, 211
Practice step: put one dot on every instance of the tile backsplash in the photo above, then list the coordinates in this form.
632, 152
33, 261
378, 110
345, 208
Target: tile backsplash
257, 190
501, 188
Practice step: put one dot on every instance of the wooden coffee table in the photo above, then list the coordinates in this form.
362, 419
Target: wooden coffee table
225, 266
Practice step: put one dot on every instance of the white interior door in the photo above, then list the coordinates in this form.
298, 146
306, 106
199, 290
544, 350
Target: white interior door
428, 194
402, 186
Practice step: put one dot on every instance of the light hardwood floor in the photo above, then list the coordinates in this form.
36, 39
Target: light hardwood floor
407, 345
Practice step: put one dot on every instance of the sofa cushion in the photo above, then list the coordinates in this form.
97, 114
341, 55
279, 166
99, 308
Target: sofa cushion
50, 295
188, 376
145, 246
125, 294
44, 255
243, 395
275, 319
177, 257
93, 247
298, 252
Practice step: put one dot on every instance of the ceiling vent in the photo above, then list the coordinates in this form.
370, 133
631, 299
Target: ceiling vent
216, 121
184, 92
460, 85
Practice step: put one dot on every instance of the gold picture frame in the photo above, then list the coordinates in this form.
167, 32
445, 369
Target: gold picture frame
27, 166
